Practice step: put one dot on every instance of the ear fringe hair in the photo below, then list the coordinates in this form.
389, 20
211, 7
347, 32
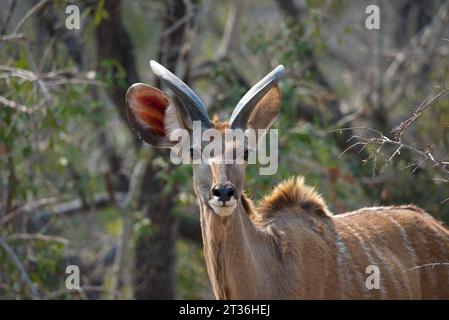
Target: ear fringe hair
172, 120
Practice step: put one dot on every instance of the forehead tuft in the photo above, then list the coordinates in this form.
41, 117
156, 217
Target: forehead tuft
219, 125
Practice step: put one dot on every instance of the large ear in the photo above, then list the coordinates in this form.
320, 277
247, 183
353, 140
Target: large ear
266, 110
245, 107
152, 114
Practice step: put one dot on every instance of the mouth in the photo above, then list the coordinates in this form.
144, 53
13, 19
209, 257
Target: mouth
223, 208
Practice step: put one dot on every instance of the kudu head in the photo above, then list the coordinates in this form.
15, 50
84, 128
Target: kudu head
155, 117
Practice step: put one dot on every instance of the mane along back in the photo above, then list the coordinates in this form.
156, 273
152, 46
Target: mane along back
293, 193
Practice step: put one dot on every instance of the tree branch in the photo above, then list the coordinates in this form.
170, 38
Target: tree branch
23, 273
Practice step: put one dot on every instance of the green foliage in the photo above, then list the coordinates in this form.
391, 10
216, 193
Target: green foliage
45, 268
100, 12
304, 148
55, 150
143, 228
191, 275
113, 74
48, 148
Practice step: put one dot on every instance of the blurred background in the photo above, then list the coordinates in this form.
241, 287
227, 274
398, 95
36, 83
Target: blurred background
77, 187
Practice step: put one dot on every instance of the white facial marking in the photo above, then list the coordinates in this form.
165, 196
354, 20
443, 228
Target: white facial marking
223, 209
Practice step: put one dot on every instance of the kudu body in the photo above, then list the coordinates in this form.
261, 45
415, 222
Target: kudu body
290, 246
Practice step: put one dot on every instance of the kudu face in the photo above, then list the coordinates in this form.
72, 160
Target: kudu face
218, 182
218, 179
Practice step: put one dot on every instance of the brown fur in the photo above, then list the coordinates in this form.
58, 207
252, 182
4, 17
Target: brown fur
219, 125
293, 193
290, 246
249, 258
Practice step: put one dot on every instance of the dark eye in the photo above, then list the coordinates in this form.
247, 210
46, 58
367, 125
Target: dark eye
245, 155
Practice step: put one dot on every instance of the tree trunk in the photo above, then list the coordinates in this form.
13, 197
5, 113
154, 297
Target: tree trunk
154, 274
155, 251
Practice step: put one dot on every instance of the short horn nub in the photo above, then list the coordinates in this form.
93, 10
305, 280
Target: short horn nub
190, 102
244, 108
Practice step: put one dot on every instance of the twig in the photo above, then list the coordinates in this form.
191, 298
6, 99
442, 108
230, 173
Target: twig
232, 24
12, 37
82, 291
38, 237
51, 79
420, 39
382, 140
122, 241
17, 106
398, 151
64, 208
316, 25
134, 183
28, 14
27, 208
12, 179
441, 180
8, 16
398, 131
404, 125
356, 128
417, 51
23, 273
188, 16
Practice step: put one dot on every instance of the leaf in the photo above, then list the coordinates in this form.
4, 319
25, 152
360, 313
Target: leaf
100, 13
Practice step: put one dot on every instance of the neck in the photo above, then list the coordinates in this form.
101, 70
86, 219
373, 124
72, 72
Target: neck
237, 253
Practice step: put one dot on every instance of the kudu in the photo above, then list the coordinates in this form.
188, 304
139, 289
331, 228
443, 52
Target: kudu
290, 246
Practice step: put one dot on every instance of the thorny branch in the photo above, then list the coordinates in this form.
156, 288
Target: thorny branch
379, 140
404, 125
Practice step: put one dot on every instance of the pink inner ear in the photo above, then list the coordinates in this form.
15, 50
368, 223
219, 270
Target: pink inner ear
150, 109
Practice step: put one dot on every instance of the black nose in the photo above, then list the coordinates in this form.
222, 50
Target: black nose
223, 192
